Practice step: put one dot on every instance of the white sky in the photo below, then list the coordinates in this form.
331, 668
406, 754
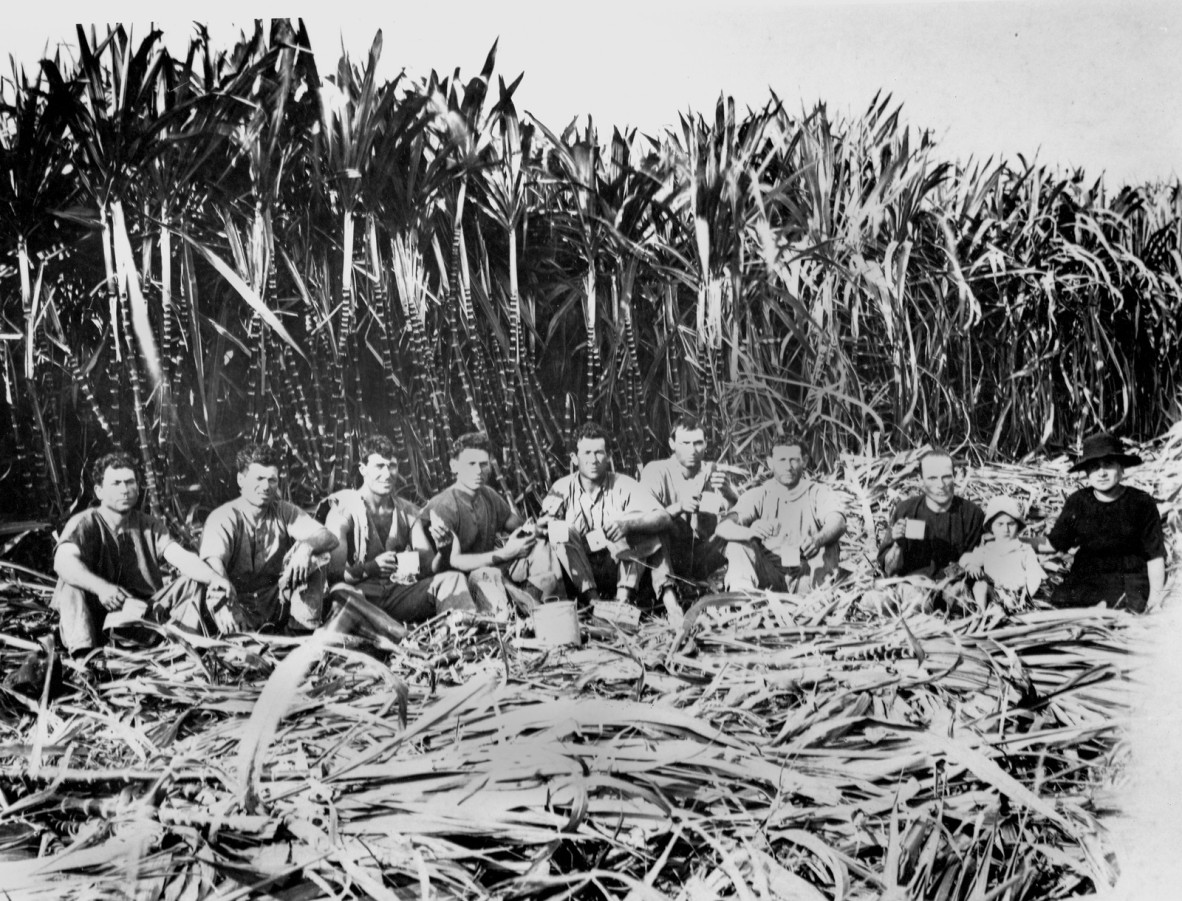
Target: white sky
1079, 82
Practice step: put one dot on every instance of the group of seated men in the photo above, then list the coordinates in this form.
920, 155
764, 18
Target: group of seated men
265, 564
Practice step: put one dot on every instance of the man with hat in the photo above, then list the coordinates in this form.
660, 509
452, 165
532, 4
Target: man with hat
1116, 533
932, 529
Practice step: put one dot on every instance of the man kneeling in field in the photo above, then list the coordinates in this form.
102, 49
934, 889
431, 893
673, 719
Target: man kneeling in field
111, 555
611, 524
383, 550
268, 549
784, 534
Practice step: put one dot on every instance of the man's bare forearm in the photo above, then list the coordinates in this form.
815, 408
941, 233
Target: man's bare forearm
190, 565
67, 563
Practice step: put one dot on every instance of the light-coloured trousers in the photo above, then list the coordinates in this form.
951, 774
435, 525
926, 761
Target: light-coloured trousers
81, 615
751, 566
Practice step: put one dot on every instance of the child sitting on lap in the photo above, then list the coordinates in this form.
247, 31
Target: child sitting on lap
1004, 567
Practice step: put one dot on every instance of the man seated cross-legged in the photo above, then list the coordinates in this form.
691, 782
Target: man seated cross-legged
694, 493
932, 530
465, 521
273, 553
383, 550
785, 534
112, 554
611, 528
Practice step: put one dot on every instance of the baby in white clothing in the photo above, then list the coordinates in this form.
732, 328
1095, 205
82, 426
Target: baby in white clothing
1004, 567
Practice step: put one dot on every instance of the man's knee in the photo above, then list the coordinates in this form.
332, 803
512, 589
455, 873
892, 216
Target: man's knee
180, 602
739, 552
741, 570
448, 583
80, 616
486, 574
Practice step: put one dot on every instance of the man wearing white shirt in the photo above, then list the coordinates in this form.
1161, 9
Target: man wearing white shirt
785, 534
613, 524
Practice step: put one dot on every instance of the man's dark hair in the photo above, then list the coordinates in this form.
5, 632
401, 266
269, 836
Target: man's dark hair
689, 422
471, 441
117, 460
592, 431
788, 439
376, 444
938, 452
262, 454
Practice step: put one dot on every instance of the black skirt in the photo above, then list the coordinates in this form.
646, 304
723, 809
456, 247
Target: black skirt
1121, 591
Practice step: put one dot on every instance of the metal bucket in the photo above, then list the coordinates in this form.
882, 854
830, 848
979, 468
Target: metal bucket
556, 624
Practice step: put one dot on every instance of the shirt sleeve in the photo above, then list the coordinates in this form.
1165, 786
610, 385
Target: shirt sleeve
441, 505
1035, 574
974, 526
341, 526
652, 479
827, 503
899, 511
554, 503
300, 525
971, 558
747, 508
501, 509
406, 514
1153, 542
79, 531
640, 498
218, 538
1063, 534
161, 539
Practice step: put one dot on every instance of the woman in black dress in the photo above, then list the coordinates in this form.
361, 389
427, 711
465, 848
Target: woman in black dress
1116, 532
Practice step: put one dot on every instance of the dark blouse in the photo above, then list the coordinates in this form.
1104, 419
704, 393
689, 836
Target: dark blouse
1113, 537
1114, 541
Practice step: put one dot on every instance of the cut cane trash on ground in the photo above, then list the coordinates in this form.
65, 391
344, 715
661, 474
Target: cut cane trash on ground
855, 742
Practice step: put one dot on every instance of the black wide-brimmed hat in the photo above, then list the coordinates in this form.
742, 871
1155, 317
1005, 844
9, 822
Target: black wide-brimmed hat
1104, 447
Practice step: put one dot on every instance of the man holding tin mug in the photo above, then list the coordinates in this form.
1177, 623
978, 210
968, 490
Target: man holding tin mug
383, 549
694, 492
785, 534
931, 530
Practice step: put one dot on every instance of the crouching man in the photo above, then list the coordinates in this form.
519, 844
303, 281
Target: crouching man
273, 553
383, 550
465, 520
111, 554
784, 535
611, 528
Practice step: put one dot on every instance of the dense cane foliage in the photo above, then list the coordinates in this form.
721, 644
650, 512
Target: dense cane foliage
197, 252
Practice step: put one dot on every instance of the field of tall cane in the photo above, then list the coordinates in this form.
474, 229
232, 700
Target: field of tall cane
199, 251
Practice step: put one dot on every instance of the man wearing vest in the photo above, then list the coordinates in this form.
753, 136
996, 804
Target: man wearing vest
383, 550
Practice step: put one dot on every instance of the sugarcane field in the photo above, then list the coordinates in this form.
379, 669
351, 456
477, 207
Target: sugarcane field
405, 496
